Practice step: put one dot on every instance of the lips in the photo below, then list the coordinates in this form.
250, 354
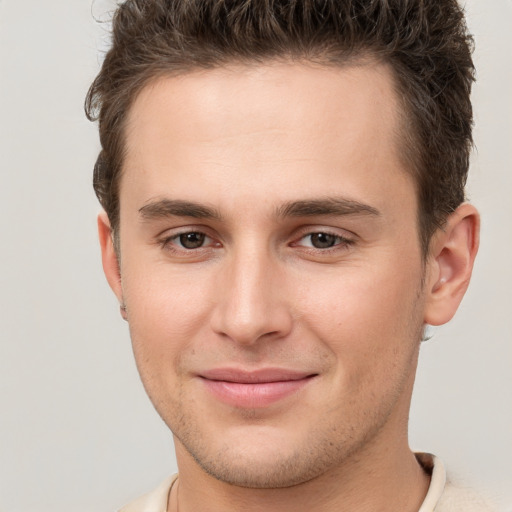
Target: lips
254, 389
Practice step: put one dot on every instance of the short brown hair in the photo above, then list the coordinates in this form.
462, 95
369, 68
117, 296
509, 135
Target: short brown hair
425, 42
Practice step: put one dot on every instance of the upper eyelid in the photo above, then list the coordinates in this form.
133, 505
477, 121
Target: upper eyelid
180, 230
339, 232
175, 236
330, 233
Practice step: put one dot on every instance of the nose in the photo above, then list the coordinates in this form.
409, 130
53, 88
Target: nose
251, 304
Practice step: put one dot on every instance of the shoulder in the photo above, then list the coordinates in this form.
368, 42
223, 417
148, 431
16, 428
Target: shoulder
447, 494
154, 501
460, 498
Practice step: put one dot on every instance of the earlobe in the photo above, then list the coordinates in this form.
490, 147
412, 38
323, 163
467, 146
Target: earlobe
450, 264
109, 259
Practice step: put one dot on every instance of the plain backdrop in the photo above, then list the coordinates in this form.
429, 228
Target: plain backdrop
77, 432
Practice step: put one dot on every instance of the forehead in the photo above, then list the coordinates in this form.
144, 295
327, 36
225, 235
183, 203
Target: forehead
268, 129
273, 94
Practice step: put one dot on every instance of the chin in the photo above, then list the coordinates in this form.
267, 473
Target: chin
259, 474
267, 460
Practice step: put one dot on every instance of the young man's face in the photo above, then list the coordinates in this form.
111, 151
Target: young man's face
271, 267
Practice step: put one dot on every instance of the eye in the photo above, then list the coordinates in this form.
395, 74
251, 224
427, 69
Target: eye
191, 240
322, 240
187, 241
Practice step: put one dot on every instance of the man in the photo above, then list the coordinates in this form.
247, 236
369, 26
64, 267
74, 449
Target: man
283, 185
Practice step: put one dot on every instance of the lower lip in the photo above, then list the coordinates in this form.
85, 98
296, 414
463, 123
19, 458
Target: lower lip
254, 395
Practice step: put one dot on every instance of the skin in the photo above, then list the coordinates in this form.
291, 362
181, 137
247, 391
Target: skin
261, 163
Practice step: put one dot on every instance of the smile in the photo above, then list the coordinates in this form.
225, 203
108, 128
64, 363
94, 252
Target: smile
254, 389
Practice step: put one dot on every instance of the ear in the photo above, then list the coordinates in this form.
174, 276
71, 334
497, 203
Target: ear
109, 259
450, 263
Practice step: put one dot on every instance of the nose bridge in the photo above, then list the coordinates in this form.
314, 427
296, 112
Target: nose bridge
250, 303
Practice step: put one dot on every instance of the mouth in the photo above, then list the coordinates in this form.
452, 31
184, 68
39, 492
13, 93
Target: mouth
254, 389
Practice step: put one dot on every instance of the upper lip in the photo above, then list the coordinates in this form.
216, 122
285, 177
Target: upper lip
254, 376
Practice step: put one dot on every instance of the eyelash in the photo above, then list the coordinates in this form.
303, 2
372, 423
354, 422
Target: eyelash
341, 242
167, 243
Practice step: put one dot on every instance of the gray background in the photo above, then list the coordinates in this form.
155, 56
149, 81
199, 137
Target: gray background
77, 432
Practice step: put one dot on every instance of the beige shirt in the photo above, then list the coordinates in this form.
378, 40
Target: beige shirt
442, 495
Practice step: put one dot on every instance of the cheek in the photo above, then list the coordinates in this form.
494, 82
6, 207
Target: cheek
166, 310
369, 320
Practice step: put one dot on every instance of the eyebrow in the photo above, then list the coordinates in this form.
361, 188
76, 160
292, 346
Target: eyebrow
162, 208
177, 208
326, 206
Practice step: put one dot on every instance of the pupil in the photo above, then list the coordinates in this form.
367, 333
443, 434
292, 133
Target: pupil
192, 240
322, 240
